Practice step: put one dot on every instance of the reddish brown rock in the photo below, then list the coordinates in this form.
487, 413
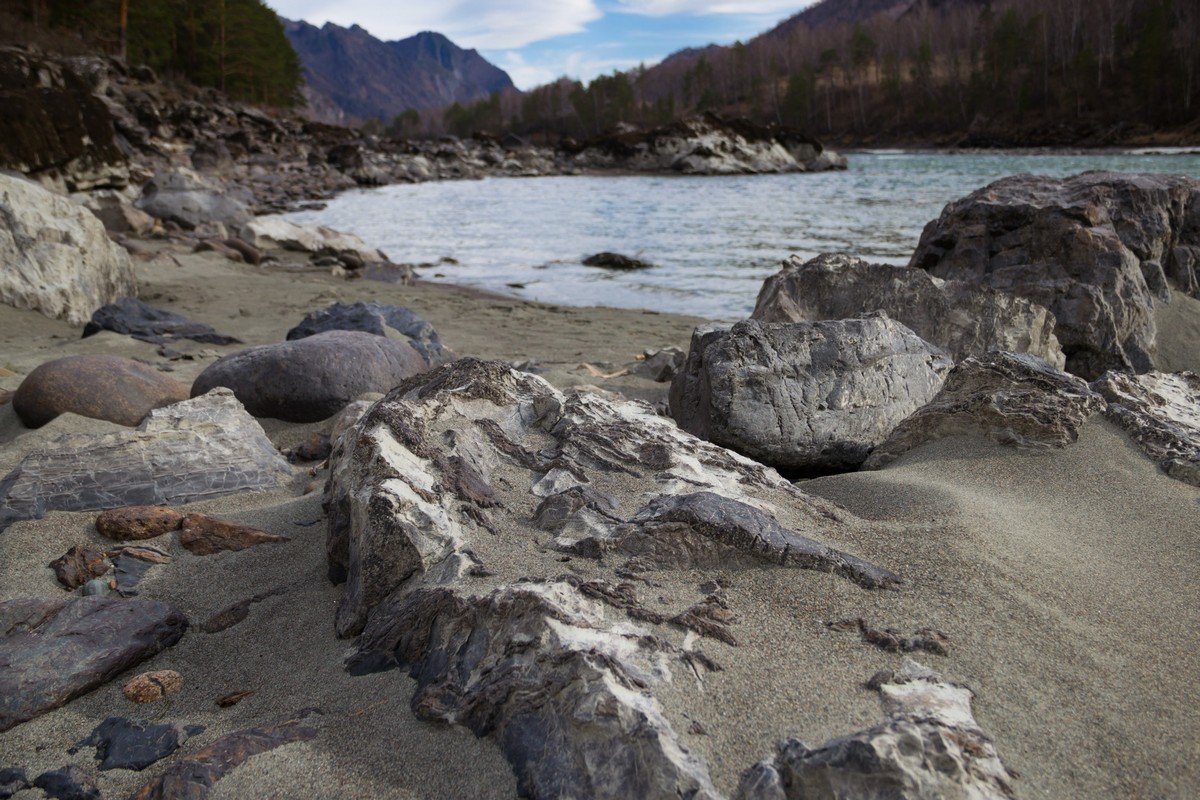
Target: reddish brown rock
233, 698
106, 387
79, 565
203, 535
151, 686
133, 523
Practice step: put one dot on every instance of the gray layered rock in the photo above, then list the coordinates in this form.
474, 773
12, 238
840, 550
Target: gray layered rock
1097, 249
270, 232
193, 450
146, 323
463, 482
805, 396
1012, 398
963, 319
313, 378
1161, 413
57, 258
53, 651
380, 319
190, 201
118, 215
929, 748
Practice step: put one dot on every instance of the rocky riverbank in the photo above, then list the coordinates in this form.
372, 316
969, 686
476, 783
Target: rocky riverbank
280, 519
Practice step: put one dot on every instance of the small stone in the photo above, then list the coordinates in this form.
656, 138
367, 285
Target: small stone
137, 522
204, 535
96, 587
879, 679
151, 686
316, 448
233, 698
615, 261
79, 565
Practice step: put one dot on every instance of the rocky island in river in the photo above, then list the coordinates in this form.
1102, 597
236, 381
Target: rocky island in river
280, 519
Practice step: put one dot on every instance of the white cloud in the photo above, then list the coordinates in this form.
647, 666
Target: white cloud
495, 25
661, 8
549, 67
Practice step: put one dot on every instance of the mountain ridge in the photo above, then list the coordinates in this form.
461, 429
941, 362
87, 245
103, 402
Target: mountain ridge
353, 76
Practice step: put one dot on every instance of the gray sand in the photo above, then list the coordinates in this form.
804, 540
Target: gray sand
1067, 582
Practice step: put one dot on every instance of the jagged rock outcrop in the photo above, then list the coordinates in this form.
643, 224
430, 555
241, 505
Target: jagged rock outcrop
313, 378
805, 396
191, 201
317, 239
461, 484
1012, 398
200, 448
1097, 249
1161, 413
706, 145
379, 319
930, 748
98, 386
146, 323
963, 319
53, 126
52, 651
57, 258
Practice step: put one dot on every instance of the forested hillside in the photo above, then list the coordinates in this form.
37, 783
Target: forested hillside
237, 46
966, 72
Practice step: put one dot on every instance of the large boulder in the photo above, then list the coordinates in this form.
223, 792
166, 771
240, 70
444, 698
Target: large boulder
1097, 249
113, 388
56, 256
394, 322
146, 323
808, 396
198, 449
54, 125
118, 214
454, 502
961, 318
311, 379
52, 651
1012, 398
930, 747
191, 201
267, 232
1161, 413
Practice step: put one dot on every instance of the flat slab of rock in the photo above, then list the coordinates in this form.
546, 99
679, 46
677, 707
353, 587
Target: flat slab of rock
1096, 249
1161, 412
313, 378
200, 448
54, 656
805, 396
203, 535
394, 322
929, 748
476, 459
97, 386
57, 257
134, 523
128, 744
146, 323
1012, 398
963, 319
266, 232
193, 777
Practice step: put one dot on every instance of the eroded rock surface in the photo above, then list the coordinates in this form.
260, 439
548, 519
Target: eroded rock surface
53, 656
1012, 398
1161, 412
475, 462
929, 748
963, 319
805, 396
1097, 249
98, 386
201, 448
313, 378
379, 319
57, 257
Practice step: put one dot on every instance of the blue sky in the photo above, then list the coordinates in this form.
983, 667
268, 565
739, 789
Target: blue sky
539, 40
